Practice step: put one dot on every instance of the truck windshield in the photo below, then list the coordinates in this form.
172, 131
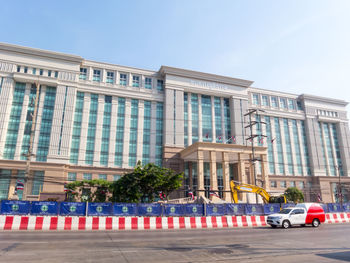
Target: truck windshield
285, 211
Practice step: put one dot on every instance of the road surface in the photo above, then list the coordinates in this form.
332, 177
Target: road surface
328, 243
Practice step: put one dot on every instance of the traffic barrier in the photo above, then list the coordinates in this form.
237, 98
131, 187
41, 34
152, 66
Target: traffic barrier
75, 223
51, 223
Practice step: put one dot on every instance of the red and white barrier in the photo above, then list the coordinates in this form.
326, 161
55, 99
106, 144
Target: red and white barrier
126, 223
141, 223
333, 218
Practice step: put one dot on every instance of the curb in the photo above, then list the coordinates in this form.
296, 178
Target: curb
141, 223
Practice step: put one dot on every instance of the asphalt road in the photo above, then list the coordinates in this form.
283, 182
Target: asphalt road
328, 243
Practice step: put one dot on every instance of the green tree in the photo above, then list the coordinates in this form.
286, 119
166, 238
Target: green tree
95, 190
294, 194
145, 183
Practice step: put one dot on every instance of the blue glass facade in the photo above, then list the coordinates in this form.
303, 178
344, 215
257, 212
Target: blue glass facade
218, 120
106, 128
119, 139
63, 113
195, 120
46, 124
270, 140
185, 119
299, 170
304, 144
78, 118
146, 132
5, 178
278, 141
133, 132
206, 119
28, 123
227, 120
38, 182
337, 149
14, 121
159, 134
91, 134
288, 146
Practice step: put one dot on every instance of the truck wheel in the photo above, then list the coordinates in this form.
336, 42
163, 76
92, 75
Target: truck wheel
315, 222
285, 224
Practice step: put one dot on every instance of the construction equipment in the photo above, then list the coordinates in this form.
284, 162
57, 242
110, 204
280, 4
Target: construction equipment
249, 188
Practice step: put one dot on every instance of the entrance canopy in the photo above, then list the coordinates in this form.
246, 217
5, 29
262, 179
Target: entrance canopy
213, 153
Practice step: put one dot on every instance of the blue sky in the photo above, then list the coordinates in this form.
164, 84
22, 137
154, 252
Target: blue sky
299, 46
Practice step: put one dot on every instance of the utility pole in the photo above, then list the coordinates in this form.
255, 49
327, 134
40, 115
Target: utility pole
252, 137
31, 139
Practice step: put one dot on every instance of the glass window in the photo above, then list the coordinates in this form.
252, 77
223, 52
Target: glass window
97, 75
87, 176
265, 100
116, 177
122, 79
291, 104
83, 73
56, 74
301, 185
18, 68
148, 83
38, 182
256, 99
283, 184
135, 81
110, 77
5, 178
102, 176
72, 176
273, 184
41, 72
299, 105
274, 102
292, 184
25, 69
160, 84
49, 73
206, 119
34, 71
283, 103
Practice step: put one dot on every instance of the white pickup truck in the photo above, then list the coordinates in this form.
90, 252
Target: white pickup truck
301, 214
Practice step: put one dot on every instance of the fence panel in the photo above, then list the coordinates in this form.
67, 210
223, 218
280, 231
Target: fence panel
72, 209
9, 207
44, 208
100, 209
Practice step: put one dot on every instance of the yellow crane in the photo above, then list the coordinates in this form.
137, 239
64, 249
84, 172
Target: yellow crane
249, 188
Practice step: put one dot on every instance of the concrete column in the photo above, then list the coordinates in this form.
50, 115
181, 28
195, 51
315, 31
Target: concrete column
226, 176
344, 146
314, 147
84, 129
223, 128
200, 173
125, 163
213, 119
213, 173
264, 171
152, 146
242, 175
169, 108
139, 149
189, 107
179, 119
6, 98
113, 131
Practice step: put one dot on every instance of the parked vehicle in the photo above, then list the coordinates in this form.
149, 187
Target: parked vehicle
302, 214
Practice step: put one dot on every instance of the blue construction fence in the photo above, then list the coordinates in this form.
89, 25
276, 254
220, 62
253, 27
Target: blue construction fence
10, 207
